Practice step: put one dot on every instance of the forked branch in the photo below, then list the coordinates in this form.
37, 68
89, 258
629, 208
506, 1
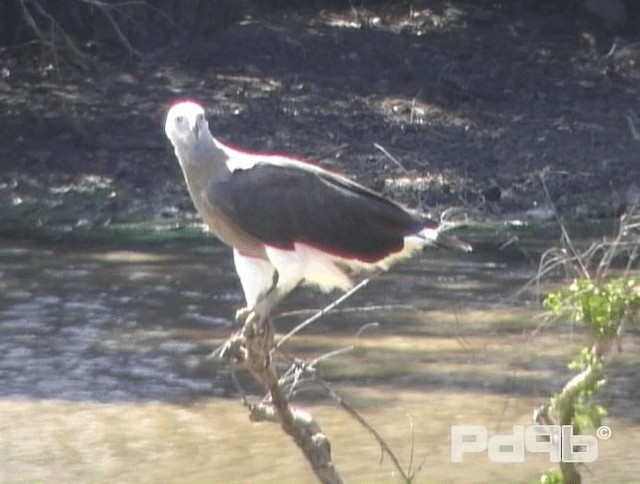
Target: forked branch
254, 348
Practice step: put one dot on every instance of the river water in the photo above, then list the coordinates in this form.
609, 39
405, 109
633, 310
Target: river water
104, 375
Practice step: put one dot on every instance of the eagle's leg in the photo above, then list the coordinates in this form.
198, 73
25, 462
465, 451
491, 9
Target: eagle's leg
263, 305
258, 278
260, 314
258, 330
264, 287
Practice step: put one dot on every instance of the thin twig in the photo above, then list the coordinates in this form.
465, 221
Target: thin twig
55, 26
323, 311
351, 309
310, 367
26, 15
346, 349
397, 162
390, 156
133, 52
631, 118
140, 3
354, 413
413, 445
565, 235
330, 153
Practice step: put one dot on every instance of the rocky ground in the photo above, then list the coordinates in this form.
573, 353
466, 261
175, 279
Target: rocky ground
465, 104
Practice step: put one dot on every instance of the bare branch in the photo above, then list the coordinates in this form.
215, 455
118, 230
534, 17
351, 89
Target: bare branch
48, 41
253, 347
310, 367
104, 8
55, 26
565, 235
354, 413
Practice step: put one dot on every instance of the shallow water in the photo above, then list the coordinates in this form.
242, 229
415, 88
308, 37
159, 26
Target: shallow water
104, 377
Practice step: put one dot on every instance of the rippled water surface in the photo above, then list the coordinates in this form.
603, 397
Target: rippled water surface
104, 376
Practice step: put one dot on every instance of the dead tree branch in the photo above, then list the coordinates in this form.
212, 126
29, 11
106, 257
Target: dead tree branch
252, 347
310, 367
104, 8
55, 30
55, 25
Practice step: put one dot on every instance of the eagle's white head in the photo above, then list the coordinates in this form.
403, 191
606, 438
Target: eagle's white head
186, 124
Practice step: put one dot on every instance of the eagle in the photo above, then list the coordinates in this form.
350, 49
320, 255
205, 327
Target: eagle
288, 221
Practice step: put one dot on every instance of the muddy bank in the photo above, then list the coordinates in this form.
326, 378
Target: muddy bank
473, 102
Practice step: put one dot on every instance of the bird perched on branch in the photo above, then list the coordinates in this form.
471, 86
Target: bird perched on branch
290, 222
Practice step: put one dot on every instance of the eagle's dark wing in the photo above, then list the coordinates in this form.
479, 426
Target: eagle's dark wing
281, 204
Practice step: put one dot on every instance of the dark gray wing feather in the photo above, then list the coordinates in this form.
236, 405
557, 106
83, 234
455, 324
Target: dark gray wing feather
281, 205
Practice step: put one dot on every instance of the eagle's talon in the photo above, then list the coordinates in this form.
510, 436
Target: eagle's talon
242, 315
234, 350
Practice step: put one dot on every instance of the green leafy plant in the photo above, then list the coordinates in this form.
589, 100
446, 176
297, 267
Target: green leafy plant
604, 297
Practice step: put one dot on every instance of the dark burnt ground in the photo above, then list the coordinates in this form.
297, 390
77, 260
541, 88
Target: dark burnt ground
474, 101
